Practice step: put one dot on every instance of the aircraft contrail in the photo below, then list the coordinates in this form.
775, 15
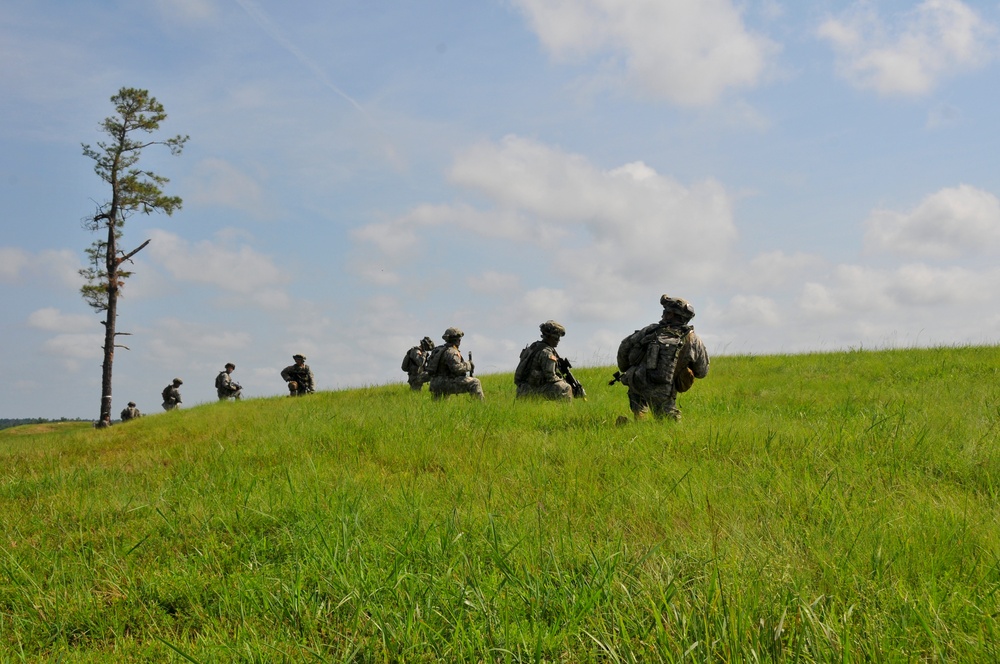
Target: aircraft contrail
268, 26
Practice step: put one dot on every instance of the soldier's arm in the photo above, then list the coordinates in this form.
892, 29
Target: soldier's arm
549, 363
453, 362
699, 361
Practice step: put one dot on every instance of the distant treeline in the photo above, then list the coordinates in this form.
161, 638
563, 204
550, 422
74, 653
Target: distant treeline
7, 423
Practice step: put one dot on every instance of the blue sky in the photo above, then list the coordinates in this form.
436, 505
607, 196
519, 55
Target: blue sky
811, 176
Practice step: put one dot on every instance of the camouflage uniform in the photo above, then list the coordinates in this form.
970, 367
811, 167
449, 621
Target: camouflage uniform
414, 361
225, 387
130, 412
645, 395
299, 377
449, 370
172, 395
538, 370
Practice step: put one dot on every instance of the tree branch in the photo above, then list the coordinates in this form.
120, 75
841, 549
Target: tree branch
133, 252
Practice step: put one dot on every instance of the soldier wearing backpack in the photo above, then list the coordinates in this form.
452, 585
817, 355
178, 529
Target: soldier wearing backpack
172, 394
661, 360
225, 387
414, 361
448, 370
538, 372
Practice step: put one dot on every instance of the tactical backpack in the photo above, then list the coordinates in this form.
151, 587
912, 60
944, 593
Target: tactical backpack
433, 363
407, 362
524, 365
656, 354
220, 382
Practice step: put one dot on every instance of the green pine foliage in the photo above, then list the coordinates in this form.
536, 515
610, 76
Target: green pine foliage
814, 508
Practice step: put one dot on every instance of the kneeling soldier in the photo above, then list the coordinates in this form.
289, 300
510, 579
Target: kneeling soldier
299, 377
225, 386
449, 372
539, 373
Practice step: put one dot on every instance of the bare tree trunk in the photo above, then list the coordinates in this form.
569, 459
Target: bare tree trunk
109, 324
109, 358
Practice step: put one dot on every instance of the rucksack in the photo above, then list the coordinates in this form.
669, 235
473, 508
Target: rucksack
220, 382
656, 353
407, 362
434, 361
524, 365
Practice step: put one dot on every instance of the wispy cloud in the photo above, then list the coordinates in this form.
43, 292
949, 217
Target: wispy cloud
237, 269
689, 53
952, 222
910, 55
59, 267
605, 233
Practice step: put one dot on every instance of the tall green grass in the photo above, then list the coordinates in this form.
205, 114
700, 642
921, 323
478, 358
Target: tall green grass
835, 507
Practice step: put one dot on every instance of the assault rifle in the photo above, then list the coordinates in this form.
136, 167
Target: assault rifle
564, 368
616, 378
472, 365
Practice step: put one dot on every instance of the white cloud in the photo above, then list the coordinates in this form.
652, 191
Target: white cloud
605, 233
687, 52
776, 268
12, 263
816, 300
74, 347
175, 341
79, 336
947, 224
936, 39
398, 238
57, 266
217, 182
751, 310
53, 320
238, 269
627, 211
855, 289
546, 303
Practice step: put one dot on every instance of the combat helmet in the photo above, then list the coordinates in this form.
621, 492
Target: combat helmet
426, 343
676, 307
550, 328
452, 333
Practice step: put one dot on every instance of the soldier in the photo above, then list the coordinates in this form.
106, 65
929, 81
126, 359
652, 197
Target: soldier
449, 372
539, 372
172, 395
225, 386
414, 361
661, 360
131, 412
299, 377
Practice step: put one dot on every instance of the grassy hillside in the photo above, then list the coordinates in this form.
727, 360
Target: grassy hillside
808, 508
